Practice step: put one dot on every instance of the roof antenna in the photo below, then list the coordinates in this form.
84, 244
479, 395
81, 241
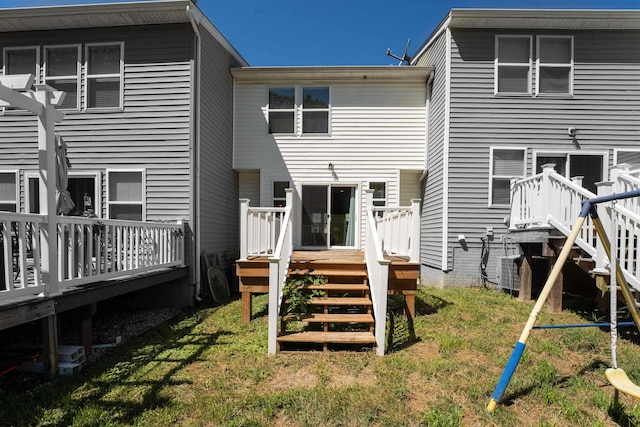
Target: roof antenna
405, 58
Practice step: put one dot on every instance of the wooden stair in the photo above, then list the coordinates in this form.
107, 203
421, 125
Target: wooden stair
340, 320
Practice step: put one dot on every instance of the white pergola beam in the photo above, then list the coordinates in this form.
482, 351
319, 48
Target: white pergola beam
17, 81
11, 98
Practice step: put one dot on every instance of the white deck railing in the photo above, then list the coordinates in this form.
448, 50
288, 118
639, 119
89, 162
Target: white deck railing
89, 250
549, 199
378, 271
259, 229
278, 271
399, 230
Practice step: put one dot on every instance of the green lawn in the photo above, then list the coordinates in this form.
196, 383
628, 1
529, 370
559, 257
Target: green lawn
204, 368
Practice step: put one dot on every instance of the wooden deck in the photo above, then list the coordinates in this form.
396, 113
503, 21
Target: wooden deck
253, 273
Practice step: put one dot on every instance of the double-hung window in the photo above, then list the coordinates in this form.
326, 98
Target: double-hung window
298, 110
315, 110
282, 111
126, 195
8, 191
379, 193
104, 64
279, 195
62, 72
513, 65
22, 60
506, 164
555, 65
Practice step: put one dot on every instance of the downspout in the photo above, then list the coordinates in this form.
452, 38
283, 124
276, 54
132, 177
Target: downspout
195, 148
425, 170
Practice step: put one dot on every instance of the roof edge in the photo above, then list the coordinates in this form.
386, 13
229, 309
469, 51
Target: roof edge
338, 72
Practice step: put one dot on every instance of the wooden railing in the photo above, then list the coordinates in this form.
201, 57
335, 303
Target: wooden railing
88, 250
259, 229
278, 270
399, 230
378, 271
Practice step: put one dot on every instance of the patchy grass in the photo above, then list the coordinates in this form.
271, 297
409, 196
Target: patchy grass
205, 368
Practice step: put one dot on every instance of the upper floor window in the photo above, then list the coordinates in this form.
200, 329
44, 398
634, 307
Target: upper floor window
292, 110
8, 192
62, 72
506, 164
126, 195
104, 75
555, 65
282, 113
22, 60
513, 65
315, 110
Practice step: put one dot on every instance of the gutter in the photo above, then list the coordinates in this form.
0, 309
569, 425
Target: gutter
426, 148
196, 18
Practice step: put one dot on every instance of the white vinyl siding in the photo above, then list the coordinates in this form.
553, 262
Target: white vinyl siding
630, 157
104, 75
62, 72
125, 194
513, 65
506, 164
8, 191
554, 62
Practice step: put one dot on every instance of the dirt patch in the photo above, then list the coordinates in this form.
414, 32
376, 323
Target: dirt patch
286, 378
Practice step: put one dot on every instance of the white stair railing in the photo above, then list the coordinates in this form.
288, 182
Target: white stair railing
278, 271
399, 230
259, 229
627, 242
378, 271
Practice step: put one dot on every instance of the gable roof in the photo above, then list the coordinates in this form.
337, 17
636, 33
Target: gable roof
110, 15
551, 19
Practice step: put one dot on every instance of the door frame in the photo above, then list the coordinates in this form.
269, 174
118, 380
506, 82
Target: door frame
358, 223
604, 154
97, 179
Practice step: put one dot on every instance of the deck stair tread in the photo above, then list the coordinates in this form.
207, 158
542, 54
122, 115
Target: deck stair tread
347, 287
341, 301
328, 272
334, 318
329, 337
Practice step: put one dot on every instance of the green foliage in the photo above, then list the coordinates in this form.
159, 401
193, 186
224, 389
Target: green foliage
298, 295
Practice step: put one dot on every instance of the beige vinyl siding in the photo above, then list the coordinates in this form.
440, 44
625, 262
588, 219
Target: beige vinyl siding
433, 198
218, 183
376, 128
604, 107
409, 188
249, 186
151, 132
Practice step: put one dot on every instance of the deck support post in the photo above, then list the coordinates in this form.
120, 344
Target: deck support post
526, 278
555, 296
246, 307
50, 347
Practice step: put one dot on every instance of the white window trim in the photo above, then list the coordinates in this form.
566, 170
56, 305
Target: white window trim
273, 195
88, 76
38, 62
143, 202
553, 65
628, 150
283, 110
77, 76
559, 153
16, 200
96, 175
492, 176
386, 192
28, 175
298, 112
510, 64
303, 110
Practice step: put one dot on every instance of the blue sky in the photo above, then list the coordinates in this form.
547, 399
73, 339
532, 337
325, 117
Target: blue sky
337, 32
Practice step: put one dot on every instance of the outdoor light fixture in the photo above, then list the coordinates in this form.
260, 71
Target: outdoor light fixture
330, 166
573, 132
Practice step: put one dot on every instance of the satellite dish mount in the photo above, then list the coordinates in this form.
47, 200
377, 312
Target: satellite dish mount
404, 58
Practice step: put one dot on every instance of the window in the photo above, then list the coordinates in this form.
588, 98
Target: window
282, 111
104, 64
315, 110
8, 192
125, 195
555, 65
62, 72
506, 164
279, 195
589, 166
513, 65
379, 193
22, 60
631, 157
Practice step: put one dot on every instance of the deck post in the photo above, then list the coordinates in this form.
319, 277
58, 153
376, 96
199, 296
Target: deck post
526, 278
244, 228
547, 193
415, 230
50, 347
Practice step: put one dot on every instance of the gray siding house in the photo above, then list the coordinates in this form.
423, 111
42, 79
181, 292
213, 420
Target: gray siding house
148, 121
513, 90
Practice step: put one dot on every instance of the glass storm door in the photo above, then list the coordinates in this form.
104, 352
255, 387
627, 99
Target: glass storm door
328, 216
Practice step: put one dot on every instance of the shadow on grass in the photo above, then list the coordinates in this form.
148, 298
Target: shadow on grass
401, 332
165, 350
595, 365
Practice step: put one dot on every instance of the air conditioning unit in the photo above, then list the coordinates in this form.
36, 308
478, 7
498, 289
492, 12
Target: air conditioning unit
507, 273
